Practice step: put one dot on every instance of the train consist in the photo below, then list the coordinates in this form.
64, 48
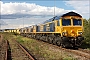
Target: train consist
65, 30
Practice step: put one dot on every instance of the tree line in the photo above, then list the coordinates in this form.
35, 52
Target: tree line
86, 34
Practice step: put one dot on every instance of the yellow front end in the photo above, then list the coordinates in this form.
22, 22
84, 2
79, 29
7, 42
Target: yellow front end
72, 31
71, 27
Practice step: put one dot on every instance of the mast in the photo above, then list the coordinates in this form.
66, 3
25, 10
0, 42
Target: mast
54, 8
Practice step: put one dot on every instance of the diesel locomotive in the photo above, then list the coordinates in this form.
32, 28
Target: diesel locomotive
65, 30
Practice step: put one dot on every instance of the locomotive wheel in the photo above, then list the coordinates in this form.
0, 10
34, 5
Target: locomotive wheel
58, 43
43, 38
46, 39
54, 42
63, 45
50, 40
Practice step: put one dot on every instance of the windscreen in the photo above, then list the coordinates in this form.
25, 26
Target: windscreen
66, 22
77, 22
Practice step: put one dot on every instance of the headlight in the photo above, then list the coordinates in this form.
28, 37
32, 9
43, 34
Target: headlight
64, 33
80, 33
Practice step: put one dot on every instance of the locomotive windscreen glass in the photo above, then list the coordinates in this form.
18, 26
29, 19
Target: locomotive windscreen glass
77, 22
66, 22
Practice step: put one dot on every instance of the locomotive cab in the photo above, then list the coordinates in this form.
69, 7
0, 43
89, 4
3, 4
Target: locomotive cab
72, 27
71, 31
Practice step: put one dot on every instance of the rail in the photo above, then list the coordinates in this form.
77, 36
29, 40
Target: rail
6, 52
29, 55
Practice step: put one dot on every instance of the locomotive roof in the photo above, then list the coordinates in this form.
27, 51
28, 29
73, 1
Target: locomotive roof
66, 14
71, 14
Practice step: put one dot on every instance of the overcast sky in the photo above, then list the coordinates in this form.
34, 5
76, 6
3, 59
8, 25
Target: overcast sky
16, 13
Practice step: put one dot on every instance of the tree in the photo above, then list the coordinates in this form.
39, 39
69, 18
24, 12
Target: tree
86, 42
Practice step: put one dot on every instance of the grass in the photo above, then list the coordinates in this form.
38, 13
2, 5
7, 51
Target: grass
40, 49
43, 50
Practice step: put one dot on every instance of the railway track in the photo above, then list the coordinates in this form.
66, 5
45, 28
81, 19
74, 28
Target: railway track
84, 50
79, 52
83, 54
12, 50
3, 50
18, 52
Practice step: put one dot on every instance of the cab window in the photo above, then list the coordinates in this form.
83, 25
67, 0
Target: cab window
77, 22
66, 22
